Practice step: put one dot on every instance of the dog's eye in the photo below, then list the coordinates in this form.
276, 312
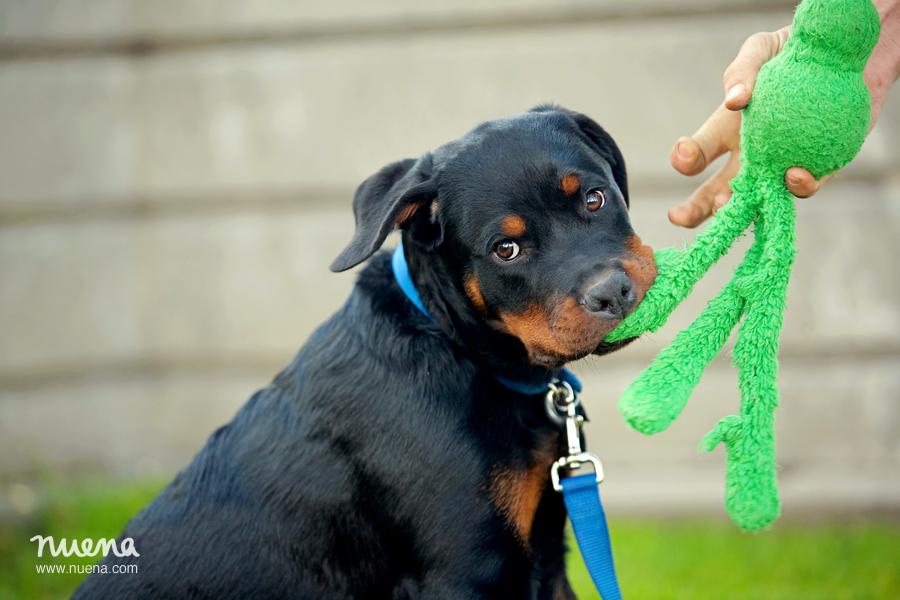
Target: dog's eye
507, 250
595, 200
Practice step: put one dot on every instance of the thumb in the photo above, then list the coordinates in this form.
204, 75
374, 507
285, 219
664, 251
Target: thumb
740, 76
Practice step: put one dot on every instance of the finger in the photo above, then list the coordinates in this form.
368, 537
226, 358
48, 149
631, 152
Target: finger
802, 184
740, 76
720, 134
708, 198
686, 156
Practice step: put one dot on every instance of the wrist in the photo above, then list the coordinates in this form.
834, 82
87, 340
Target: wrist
883, 67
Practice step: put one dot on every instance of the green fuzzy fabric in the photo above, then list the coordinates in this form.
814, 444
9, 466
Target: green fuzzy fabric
811, 109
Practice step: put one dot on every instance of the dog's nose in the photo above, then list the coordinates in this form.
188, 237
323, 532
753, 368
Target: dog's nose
612, 296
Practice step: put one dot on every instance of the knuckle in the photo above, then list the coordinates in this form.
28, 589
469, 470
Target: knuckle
760, 48
731, 72
756, 43
758, 38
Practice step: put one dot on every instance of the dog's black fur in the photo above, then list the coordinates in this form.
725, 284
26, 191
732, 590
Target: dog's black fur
387, 461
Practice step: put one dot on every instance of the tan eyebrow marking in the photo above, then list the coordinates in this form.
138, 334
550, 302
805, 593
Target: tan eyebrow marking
513, 226
571, 183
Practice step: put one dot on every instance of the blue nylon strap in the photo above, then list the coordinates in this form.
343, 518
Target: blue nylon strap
401, 274
582, 498
530, 389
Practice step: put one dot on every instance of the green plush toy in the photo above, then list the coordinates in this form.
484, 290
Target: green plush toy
810, 108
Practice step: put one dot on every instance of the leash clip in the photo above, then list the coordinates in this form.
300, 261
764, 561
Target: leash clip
574, 462
561, 404
557, 401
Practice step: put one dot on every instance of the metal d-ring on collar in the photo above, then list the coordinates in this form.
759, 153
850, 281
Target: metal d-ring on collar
561, 405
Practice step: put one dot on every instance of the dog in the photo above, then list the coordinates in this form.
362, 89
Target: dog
397, 456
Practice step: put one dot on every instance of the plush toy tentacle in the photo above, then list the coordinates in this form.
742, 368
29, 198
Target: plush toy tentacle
728, 430
658, 395
751, 490
751, 486
665, 294
661, 391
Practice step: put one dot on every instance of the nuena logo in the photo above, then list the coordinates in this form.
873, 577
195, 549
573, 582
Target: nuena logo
87, 547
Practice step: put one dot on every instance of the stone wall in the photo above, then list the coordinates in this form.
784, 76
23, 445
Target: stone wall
175, 179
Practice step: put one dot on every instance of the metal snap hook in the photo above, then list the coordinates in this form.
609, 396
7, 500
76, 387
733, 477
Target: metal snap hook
559, 397
575, 462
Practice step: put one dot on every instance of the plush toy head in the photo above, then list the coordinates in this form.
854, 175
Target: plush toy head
810, 106
837, 32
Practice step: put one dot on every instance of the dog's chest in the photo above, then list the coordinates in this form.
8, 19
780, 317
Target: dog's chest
517, 483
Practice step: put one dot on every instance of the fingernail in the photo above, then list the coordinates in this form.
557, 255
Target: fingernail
794, 180
684, 152
735, 91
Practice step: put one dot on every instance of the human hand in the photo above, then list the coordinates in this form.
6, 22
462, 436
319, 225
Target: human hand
721, 133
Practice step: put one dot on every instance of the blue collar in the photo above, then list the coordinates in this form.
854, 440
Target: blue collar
401, 274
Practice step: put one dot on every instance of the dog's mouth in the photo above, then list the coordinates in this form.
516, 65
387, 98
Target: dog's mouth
553, 360
609, 347
558, 335
562, 335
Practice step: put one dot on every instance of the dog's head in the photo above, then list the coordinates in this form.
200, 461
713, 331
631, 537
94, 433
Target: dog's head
517, 235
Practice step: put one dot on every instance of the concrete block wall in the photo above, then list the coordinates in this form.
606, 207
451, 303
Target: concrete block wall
175, 178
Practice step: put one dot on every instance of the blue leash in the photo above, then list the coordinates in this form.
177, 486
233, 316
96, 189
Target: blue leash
582, 498
581, 493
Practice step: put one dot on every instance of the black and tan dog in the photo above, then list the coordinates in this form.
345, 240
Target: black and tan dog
388, 460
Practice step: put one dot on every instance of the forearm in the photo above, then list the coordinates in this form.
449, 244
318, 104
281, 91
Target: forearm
883, 67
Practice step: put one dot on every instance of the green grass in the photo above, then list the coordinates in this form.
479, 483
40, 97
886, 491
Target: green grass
674, 560
656, 559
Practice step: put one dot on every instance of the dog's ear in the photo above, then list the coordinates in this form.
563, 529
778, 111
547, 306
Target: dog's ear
607, 148
390, 198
